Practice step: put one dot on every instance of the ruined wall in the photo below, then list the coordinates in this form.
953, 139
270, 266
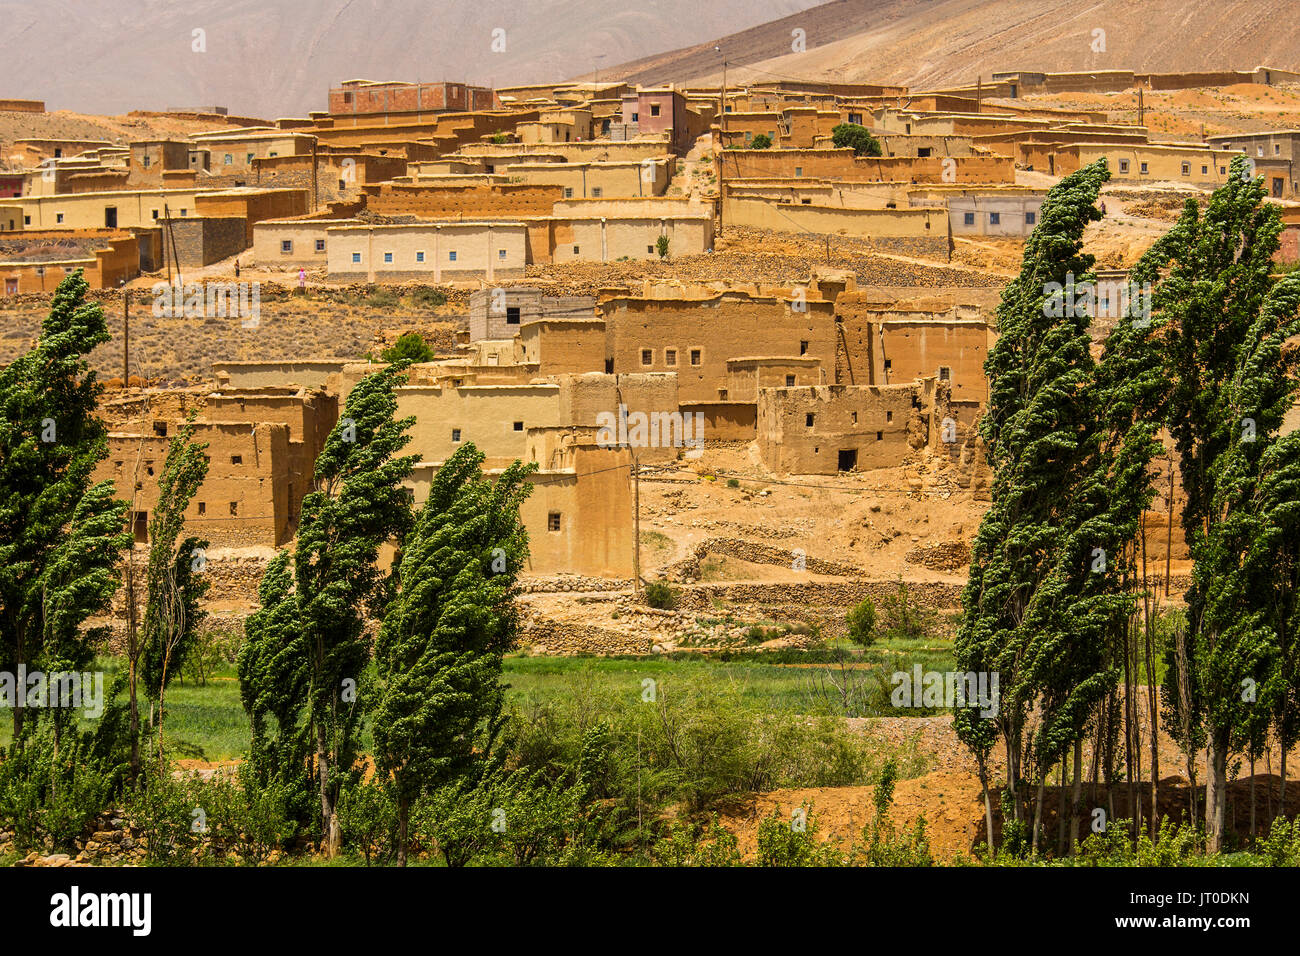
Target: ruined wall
463, 202
559, 346
696, 338
830, 428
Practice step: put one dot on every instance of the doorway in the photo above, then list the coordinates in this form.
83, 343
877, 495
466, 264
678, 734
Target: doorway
848, 459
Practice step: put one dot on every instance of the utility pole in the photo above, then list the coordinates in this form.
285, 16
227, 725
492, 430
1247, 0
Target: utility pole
315, 191
126, 338
1141, 108
979, 94
636, 523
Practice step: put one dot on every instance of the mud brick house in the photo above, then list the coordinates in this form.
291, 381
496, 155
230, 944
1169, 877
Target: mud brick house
37, 261
262, 447
502, 313
823, 429
377, 101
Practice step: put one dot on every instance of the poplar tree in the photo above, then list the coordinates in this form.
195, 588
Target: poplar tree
56, 547
1039, 373
316, 641
1225, 321
175, 581
439, 650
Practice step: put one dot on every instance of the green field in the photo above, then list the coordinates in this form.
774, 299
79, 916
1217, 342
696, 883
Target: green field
208, 722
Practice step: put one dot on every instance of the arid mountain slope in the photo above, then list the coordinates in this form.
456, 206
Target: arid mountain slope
279, 57
925, 43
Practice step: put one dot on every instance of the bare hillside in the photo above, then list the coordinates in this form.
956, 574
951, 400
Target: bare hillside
924, 43
279, 58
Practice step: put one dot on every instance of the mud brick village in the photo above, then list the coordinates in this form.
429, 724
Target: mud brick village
740, 329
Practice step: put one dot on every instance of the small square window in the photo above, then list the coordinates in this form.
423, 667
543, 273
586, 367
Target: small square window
1187, 169
250, 157
880, 436
568, 192
519, 426
1123, 165
286, 246
968, 219
789, 381
695, 356
228, 160
203, 507
945, 373
455, 434
512, 315
451, 256
647, 357
58, 217
1031, 218
798, 170
808, 419
596, 192
1205, 170
419, 257
236, 459
234, 508
889, 363
889, 417
553, 521
388, 257
803, 347
670, 357
501, 253
995, 219
654, 109
575, 250
356, 257
153, 213
649, 248
1144, 168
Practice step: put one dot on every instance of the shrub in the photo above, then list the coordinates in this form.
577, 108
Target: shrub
661, 246
857, 138
689, 844
410, 347
368, 820
862, 622
792, 841
427, 298
661, 595
761, 141
383, 299
906, 619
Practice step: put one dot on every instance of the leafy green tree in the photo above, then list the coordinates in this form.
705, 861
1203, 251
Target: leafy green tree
861, 620
312, 640
857, 138
761, 141
409, 347
439, 650
175, 582
1231, 384
55, 527
1027, 565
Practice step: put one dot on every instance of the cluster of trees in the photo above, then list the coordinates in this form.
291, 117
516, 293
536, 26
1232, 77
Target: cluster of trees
310, 674
857, 138
1058, 601
63, 544
429, 681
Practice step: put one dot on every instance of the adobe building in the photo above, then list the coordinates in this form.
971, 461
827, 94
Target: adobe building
997, 211
695, 337
1193, 163
501, 313
37, 261
262, 448
376, 101
820, 430
1275, 154
578, 514
437, 251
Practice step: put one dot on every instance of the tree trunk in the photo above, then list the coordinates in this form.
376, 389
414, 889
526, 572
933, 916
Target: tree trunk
1077, 802
1281, 804
1252, 795
1060, 812
403, 815
329, 825
988, 804
1216, 792
135, 725
1038, 811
